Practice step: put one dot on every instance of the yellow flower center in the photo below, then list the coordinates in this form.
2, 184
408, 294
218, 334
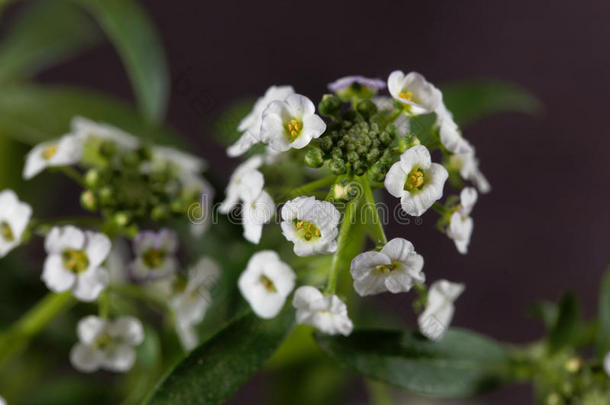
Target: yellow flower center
268, 284
154, 258
407, 95
386, 269
6, 232
293, 129
307, 230
49, 152
103, 342
415, 180
75, 260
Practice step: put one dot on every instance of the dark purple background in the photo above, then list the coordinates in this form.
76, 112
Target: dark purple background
545, 226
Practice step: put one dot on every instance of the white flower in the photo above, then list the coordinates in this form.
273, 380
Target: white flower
246, 184
106, 345
327, 313
395, 269
64, 151
468, 165
193, 297
74, 262
14, 218
416, 180
187, 335
255, 214
85, 128
251, 124
412, 89
435, 320
451, 137
312, 225
186, 164
461, 224
607, 364
291, 123
155, 255
266, 283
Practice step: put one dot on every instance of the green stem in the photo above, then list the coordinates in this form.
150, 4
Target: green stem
16, 338
342, 240
138, 293
103, 303
379, 233
308, 188
439, 208
72, 173
43, 227
379, 393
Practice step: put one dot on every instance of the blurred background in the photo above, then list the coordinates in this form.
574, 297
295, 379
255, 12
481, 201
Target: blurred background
544, 228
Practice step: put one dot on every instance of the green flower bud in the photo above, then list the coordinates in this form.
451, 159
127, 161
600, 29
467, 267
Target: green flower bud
377, 173
108, 149
326, 143
352, 156
121, 219
403, 144
177, 206
362, 150
330, 105
336, 153
366, 108
92, 178
337, 166
373, 155
88, 200
314, 158
385, 138
159, 213
106, 195
359, 168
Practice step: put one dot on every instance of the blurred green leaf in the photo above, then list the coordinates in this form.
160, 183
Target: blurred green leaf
603, 340
226, 123
461, 364
32, 114
134, 35
472, 100
566, 329
44, 33
544, 311
215, 370
422, 127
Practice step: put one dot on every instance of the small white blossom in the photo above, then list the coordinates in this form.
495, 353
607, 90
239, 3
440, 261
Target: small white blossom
186, 164
64, 151
326, 313
461, 224
468, 165
251, 124
437, 316
416, 180
312, 225
85, 129
192, 298
396, 268
451, 137
14, 218
74, 262
107, 345
255, 214
246, 184
155, 255
607, 364
291, 123
266, 283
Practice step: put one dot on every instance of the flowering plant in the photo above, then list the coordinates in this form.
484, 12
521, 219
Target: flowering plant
176, 299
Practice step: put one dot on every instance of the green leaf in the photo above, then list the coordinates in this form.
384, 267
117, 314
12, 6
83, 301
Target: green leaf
43, 34
461, 364
603, 340
473, 100
422, 127
32, 114
565, 331
544, 311
137, 42
215, 370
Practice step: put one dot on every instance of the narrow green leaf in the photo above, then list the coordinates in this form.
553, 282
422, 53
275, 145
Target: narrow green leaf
44, 33
130, 29
32, 114
473, 100
603, 340
215, 370
461, 364
566, 330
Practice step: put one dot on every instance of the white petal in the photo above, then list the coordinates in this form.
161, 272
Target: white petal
468, 198
395, 180
62, 238
299, 106
416, 156
242, 145
55, 276
305, 296
433, 324
365, 262
85, 358
128, 329
251, 185
607, 364
453, 140
398, 249
370, 284
188, 337
120, 359
34, 161
90, 284
98, 248
90, 328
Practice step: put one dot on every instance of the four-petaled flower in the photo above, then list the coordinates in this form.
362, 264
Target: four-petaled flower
74, 262
468, 165
155, 255
291, 123
266, 283
461, 224
250, 125
106, 345
396, 268
416, 180
436, 318
325, 312
245, 184
64, 151
14, 218
312, 225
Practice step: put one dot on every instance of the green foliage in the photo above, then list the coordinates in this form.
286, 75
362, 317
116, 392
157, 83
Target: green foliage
135, 38
215, 370
472, 100
603, 341
566, 329
461, 364
422, 127
43, 34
